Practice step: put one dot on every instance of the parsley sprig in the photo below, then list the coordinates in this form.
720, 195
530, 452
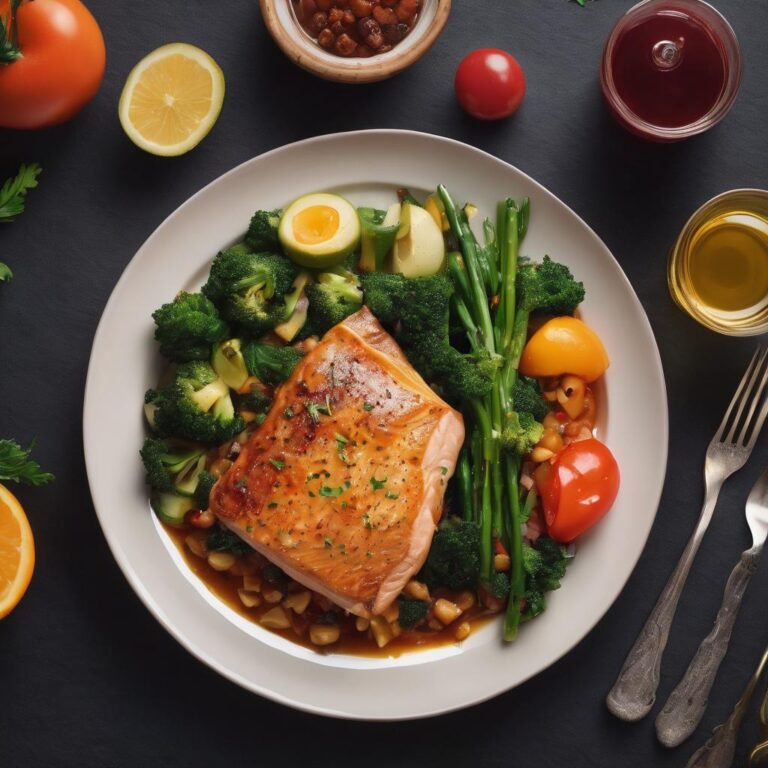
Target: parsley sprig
14, 190
16, 465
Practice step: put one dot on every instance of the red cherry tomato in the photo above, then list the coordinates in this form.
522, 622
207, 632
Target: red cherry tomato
579, 488
490, 84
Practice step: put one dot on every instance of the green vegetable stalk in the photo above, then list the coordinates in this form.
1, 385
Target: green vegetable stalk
495, 292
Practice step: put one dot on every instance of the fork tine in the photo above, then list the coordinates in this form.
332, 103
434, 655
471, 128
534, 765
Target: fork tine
759, 421
752, 428
747, 396
737, 397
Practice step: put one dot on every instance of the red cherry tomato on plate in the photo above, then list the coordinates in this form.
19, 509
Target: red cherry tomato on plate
579, 488
490, 84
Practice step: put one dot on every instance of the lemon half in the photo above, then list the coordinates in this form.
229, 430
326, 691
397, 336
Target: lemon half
172, 99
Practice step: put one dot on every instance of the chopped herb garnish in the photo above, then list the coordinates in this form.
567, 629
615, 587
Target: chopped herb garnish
443, 471
249, 529
391, 495
259, 420
313, 476
341, 446
315, 410
288, 413
277, 464
328, 542
327, 490
311, 493
367, 520
272, 504
369, 553
343, 547
367, 406
241, 483
343, 504
377, 485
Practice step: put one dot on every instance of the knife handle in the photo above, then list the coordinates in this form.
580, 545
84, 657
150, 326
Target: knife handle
687, 703
720, 750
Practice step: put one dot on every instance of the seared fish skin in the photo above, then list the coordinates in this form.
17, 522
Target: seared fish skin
343, 483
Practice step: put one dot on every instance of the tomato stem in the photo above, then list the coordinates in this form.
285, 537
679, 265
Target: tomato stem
10, 50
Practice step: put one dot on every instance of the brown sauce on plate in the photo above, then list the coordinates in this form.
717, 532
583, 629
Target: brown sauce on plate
225, 585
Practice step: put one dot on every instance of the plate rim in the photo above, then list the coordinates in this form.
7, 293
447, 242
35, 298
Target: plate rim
144, 594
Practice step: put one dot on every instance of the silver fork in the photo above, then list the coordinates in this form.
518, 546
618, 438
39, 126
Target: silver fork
634, 691
686, 704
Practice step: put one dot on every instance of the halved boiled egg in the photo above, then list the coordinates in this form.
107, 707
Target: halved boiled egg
319, 230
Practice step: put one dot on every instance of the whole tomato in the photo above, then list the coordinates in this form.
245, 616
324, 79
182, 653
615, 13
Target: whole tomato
51, 61
490, 84
578, 489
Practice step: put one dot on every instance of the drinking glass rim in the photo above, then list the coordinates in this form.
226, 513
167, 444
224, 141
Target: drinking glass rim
721, 107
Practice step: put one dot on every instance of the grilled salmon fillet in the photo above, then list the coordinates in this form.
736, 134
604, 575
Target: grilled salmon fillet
342, 485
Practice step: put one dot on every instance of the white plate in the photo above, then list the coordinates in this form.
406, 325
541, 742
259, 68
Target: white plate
367, 167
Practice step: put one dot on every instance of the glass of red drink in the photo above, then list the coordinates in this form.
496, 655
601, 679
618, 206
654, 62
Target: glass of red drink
671, 69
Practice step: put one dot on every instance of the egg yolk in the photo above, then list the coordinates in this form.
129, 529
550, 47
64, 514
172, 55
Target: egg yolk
315, 224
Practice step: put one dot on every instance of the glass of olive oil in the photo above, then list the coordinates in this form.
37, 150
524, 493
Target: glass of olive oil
718, 268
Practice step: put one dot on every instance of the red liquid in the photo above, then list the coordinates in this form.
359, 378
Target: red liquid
669, 97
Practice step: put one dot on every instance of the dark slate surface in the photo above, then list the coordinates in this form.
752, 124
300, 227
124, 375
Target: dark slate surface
88, 677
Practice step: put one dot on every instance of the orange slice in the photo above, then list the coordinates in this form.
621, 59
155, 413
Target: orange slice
17, 552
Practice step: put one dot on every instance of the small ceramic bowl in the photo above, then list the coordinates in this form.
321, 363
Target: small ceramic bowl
300, 48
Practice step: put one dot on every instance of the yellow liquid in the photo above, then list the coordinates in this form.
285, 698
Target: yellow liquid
727, 265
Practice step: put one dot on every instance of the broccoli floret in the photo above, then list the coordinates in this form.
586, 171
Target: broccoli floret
412, 612
169, 471
544, 564
256, 401
249, 288
205, 484
548, 287
460, 375
499, 585
417, 310
333, 298
275, 576
196, 405
270, 364
521, 433
221, 539
527, 398
454, 557
262, 231
418, 304
188, 327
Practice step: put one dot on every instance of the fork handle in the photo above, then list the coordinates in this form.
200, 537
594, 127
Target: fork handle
687, 703
634, 691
